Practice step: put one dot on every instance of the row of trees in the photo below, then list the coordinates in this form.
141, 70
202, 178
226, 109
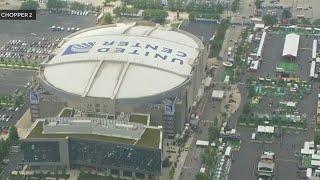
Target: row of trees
77, 6
56, 4
219, 38
258, 4
203, 11
209, 155
106, 19
5, 144
53, 5
235, 6
29, 5
145, 4
124, 10
155, 15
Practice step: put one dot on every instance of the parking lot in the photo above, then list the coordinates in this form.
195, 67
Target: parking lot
203, 30
23, 41
29, 30
288, 144
27, 43
272, 55
284, 148
11, 80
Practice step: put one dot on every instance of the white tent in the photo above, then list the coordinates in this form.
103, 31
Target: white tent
312, 69
259, 25
314, 49
291, 45
202, 143
265, 129
217, 94
263, 37
207, 81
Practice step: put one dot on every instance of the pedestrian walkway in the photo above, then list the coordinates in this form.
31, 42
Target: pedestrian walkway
182, 159
74, 174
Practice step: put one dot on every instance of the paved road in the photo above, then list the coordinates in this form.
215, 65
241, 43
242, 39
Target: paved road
11, 80
15, 159
23, 29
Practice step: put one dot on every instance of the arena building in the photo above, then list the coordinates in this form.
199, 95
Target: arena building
117, 147
127, 68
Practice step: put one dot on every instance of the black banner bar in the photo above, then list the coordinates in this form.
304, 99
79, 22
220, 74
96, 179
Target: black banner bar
18, 14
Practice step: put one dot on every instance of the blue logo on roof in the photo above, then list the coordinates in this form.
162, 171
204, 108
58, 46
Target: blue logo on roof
78, 48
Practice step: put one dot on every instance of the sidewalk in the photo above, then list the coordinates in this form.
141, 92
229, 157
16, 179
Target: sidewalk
74, 174
182, 159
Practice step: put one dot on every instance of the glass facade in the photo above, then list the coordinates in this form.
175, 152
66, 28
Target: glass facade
101, 155
41, 151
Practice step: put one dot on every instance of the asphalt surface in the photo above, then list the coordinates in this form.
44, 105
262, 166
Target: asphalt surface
286, 163
22, 29
193, 160
247, 158
203, 30
15, 159
13, 79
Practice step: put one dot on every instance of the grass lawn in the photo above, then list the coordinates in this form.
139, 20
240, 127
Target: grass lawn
306, 161
287, 67
66, 112
37, 133
228, 71
150, 138
235, 145
137, 118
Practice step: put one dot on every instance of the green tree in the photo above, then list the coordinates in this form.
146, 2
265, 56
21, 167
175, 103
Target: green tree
202, 176
56, 4
166, 162
29, 5
251, 91
213, 134
107, 19
13, 135
117, 11
317, 139
293, 21
286, 14
305, 21
155, 15
235, 5
269, 20
175, 5
219, 8
145, 4
106, 2
246, 109
216, 44
258, 3
316, 22
77, 6
192, 16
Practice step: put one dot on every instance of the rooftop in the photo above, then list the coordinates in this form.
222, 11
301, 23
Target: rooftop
125, 57
139, 118
149, 139
291, 45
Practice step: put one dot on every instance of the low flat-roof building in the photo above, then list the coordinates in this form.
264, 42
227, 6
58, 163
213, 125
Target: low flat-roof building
120, 148
217, 94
